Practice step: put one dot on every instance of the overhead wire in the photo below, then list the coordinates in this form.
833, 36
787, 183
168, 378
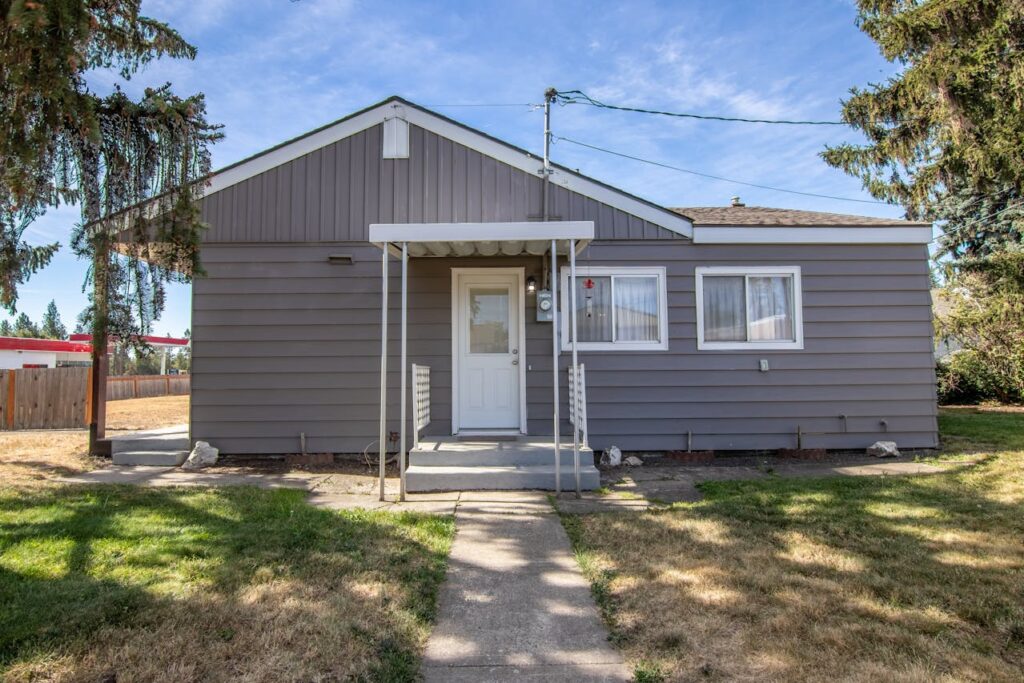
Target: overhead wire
716, 177
579, 97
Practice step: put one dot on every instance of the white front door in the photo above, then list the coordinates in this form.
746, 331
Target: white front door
488, 358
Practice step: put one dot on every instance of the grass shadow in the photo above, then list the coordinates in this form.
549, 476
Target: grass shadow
93, 579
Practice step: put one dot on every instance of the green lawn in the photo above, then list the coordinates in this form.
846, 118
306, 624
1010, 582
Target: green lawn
895, 578
212, 585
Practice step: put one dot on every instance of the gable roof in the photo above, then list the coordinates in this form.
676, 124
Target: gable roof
453, 130
768, 216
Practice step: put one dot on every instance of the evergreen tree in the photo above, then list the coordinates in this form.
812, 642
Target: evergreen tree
62, 142
24, 327
136, 168
5, 328
52, 327
945, 137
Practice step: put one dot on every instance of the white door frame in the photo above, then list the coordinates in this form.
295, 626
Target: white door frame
520, 274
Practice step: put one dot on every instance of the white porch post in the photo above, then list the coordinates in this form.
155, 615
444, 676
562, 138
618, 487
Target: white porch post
383, 365
554, 362
575, 365
405, 369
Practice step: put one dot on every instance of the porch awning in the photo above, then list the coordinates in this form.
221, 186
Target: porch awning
481, 239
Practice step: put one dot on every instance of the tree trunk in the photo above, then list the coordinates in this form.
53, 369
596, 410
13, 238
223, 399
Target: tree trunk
98, 444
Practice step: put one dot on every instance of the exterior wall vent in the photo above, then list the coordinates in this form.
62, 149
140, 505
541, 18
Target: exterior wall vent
396, 138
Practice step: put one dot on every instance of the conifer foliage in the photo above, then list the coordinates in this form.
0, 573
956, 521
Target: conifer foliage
945, 136
134, 167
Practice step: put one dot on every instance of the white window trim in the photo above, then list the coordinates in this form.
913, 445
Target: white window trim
620, 271
750, 271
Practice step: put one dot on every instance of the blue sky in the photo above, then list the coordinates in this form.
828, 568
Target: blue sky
273, 69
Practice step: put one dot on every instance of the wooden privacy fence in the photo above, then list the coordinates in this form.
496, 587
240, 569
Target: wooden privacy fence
146, 386
44, 398
57, 398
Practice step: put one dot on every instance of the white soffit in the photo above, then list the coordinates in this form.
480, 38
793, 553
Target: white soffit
917, 234
456, 133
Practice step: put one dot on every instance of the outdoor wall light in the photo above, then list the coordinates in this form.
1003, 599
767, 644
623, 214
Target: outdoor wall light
531, 285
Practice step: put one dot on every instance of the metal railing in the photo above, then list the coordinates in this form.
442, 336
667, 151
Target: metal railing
578, 403
420, 401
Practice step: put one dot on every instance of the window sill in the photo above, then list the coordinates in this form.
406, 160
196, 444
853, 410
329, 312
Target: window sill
750, 346
616, 346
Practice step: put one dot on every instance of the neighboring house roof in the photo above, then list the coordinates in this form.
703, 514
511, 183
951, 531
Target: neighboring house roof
766, 215
32, 344
486, 144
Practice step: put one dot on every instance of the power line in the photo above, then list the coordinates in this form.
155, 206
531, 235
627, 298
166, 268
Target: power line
975, 221
715, 177
579, 97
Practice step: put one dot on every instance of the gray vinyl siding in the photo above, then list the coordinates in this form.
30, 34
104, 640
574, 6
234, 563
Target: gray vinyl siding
335, 193
285, 342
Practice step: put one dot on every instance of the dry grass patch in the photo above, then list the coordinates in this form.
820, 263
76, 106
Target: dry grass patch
234, 584
135, 414
898, 578
33, 458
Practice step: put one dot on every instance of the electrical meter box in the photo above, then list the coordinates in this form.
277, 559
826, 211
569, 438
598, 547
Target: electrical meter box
545, 306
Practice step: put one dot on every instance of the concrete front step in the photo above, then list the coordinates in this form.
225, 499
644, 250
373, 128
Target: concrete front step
421, 478
150, 458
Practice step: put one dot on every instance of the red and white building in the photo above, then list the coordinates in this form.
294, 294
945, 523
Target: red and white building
21, 352
18, 352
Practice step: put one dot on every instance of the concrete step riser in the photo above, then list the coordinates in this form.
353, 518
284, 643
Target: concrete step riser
426, 480
150, 458
495, 458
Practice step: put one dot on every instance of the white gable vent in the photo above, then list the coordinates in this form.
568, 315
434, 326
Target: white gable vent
396, 138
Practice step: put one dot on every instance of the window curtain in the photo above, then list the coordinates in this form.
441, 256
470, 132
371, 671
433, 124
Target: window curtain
636, 309
593, 309
771, 308
724, 308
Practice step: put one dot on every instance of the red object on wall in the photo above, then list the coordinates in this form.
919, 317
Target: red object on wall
588, 284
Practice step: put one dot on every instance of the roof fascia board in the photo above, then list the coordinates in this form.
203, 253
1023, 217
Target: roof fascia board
481, 232
463, 135
811, 235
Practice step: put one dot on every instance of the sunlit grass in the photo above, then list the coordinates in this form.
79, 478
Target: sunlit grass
862, 578
212, 584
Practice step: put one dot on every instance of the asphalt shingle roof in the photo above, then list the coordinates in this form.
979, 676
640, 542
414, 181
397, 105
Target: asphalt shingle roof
768, 216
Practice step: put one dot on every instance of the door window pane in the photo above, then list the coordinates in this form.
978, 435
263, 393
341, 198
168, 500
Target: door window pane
594, 309
771, 308
488, 320
636, 309
724, 318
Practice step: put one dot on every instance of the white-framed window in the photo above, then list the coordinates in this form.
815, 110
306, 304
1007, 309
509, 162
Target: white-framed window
617, 309
749, 307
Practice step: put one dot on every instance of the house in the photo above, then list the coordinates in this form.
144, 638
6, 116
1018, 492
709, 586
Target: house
728, 328
28, 352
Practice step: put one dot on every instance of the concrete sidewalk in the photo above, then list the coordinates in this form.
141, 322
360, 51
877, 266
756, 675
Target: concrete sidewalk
514, 605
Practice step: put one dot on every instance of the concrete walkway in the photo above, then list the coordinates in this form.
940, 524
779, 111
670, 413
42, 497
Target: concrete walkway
514, 605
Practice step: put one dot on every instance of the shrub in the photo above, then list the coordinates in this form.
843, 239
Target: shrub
964, 379
986, 317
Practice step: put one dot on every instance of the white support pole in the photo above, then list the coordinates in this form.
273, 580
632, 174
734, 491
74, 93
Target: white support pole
554, 363
575, 365
405, 369
383, 366
163, 362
